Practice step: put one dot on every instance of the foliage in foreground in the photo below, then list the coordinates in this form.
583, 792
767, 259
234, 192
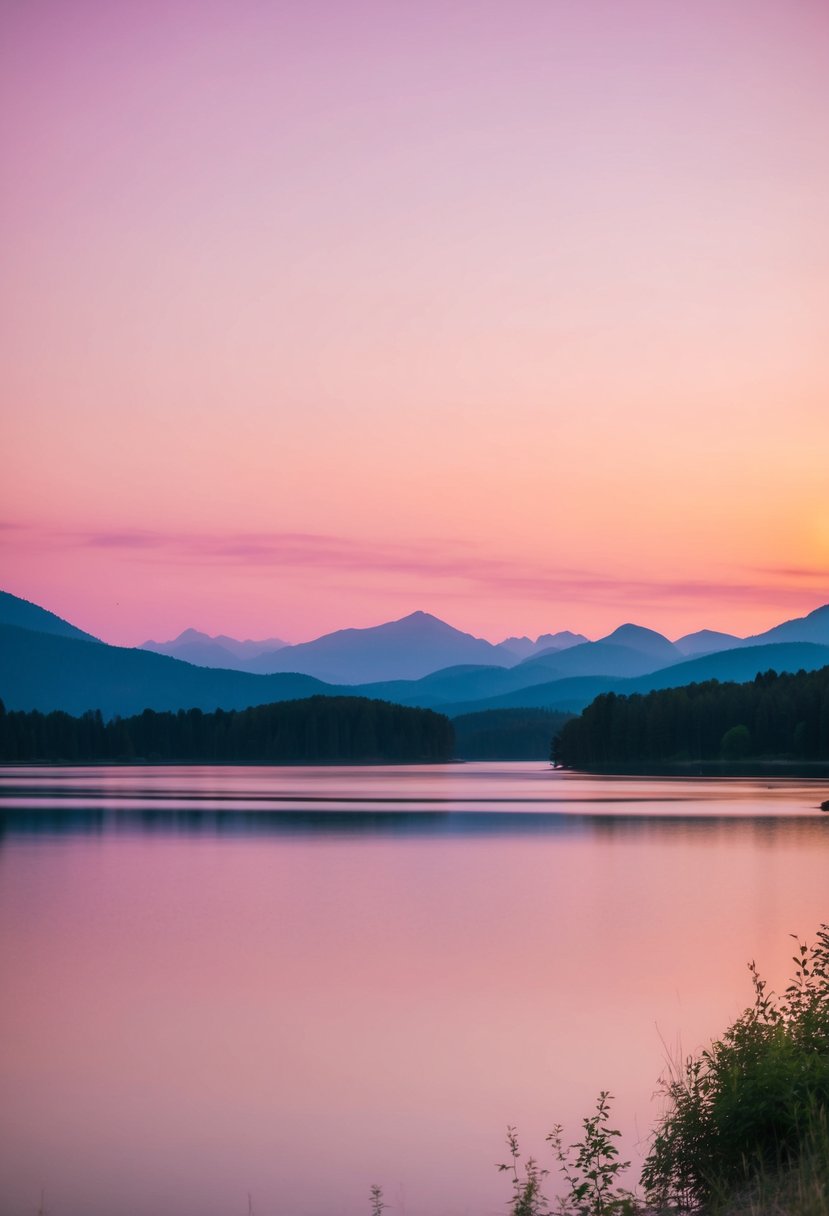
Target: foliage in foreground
746, 1128
753, 1107
591, 1169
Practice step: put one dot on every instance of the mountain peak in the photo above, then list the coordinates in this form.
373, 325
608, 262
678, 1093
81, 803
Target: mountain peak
630, 630
637, 637
419, 617
706, 641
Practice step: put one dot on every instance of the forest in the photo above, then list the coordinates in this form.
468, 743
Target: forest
316, 730
507, 734
773, 717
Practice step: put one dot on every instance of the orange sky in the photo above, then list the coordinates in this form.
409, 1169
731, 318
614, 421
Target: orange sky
315, 315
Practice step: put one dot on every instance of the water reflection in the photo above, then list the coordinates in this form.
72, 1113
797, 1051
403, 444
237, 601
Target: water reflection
50, 821
297, 982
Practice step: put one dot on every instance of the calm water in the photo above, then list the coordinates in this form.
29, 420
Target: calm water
296, 982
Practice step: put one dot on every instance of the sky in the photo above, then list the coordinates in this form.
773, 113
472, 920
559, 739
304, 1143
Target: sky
315, 314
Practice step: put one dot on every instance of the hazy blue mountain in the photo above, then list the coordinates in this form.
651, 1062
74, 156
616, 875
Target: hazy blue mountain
517, 648
524, 648
46, 663
811, 628
562, 640
206, 651
740, 664
406, 649
25, 615
381, 652
569, 695
46, 671
646, 641
707, 641
629, 651
454, 684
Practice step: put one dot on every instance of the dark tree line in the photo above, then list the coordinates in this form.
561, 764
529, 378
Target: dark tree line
506, 734
771, 717
311, 731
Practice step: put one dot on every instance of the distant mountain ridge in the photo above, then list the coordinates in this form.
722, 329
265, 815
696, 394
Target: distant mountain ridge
25, 615
205, 651
420, 644
409, 648
354, 654
811, 628
47, 663
706, 641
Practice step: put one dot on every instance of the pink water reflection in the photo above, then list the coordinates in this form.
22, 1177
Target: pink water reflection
192, 1017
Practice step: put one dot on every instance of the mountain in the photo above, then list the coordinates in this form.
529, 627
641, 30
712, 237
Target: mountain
406, 649
25, 615
562, 640
741, 664
524, 648
206, 651
573, 694
46, 663
47, 671
629, 651
707, 641
811, 628
645, 641
452, 684
517, 648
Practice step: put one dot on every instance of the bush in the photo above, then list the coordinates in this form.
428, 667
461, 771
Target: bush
736, 743
755, 1101
591, 1169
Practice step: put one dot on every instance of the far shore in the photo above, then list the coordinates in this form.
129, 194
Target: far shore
814, 769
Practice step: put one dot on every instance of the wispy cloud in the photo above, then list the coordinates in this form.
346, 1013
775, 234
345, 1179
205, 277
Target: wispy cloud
460, 569
813, 573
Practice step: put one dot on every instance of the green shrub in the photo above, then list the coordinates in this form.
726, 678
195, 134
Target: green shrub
591, 1169
736, 743
751, 1104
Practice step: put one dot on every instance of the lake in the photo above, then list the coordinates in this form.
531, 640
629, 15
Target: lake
234, 988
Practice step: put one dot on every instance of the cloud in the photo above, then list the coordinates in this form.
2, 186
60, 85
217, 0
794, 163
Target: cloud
461, 570
813, 573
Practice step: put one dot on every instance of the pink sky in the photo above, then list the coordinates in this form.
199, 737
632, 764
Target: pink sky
315, 314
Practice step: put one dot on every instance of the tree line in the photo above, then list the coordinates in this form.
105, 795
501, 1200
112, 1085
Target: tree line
315, 730
506, 734
771, 717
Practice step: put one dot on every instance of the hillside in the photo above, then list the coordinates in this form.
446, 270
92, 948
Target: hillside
24, 615
45, 672
575, 693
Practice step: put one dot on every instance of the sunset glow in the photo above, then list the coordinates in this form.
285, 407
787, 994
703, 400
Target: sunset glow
318, 314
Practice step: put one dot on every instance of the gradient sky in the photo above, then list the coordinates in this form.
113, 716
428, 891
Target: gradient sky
318, 313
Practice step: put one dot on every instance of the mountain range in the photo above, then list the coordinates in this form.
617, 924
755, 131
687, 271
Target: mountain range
46, 663
406, 649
